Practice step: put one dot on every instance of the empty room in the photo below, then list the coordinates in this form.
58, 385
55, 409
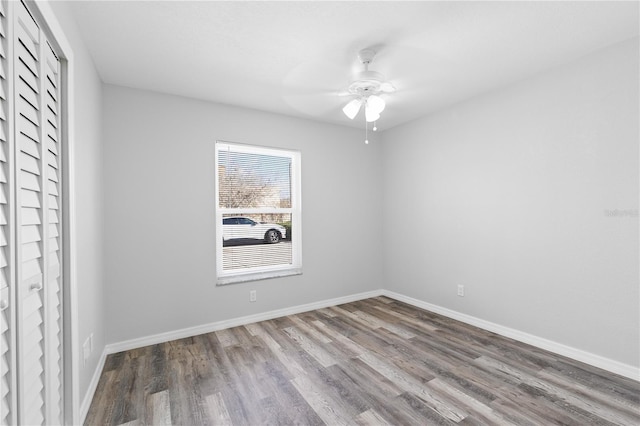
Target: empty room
319, 212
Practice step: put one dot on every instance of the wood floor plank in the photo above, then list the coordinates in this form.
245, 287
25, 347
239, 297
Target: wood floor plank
324, 406
381, 323
321, 355
308, 328
420, 325
409, 384
371, 418
620, 404
371, 362
578, 401
158, 409
218, 412
287, 397
283, 356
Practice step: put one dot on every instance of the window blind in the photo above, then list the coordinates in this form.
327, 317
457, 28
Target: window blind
258, 209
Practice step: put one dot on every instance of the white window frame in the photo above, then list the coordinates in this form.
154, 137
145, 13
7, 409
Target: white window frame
264, 272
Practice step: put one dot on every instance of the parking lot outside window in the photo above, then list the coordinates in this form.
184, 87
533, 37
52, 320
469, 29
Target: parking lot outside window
258, 212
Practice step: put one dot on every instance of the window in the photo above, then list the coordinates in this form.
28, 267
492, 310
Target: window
258, 232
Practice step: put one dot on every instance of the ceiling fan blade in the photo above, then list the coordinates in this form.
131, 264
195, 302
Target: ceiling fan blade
316, 88
387, 87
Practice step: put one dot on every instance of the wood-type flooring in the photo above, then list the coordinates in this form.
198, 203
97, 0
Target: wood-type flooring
371, 362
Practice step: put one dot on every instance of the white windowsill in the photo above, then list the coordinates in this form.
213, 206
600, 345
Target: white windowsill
256, 276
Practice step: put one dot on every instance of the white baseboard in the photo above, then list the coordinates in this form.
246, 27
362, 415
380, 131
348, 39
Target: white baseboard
207, 328
93, 385
539, 342
234, 322
551, 346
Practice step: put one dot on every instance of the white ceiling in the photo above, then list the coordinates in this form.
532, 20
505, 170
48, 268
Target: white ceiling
295, 58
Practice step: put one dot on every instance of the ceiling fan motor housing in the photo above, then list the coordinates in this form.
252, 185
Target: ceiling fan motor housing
366, 83
366, 56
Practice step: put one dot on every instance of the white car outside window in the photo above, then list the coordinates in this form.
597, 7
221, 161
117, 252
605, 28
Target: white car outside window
234, 228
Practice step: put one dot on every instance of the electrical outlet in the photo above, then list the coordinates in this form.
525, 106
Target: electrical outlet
252, 296
460, 290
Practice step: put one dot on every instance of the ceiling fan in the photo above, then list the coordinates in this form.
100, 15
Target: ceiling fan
367, 86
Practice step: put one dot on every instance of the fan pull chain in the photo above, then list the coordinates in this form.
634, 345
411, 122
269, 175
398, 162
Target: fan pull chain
366, 130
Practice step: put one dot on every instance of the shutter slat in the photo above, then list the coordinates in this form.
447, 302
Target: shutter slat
31, 251
28, 146
29, 164
29, 198
31, 269
26, 36
30, 216
31, 303
27, 59
52, 173
53, 188
52, 145
26, 77
52, 99
52, 157
29, 181
53, 230
52, 120
33, 338
53, 202
32, 348
31, 234
28, 111
28, 129
33, 381
4, 326
54, 266
53, 216
27, 92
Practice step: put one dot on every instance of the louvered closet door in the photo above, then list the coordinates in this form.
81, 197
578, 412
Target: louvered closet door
53, 257
38, 255
8, 395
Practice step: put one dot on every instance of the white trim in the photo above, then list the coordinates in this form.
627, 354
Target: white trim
256, 276
234, 322
598, 361
93, 385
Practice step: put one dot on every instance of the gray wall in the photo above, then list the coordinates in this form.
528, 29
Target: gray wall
509, 195
159, 212
87, 166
